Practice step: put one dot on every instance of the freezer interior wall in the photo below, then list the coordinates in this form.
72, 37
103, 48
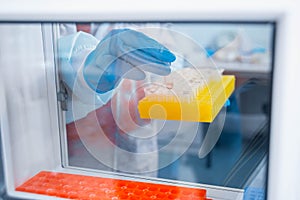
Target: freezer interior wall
29, 140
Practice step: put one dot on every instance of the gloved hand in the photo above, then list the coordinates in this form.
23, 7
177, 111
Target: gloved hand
125, 53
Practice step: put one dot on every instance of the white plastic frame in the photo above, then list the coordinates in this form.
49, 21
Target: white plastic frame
284, 175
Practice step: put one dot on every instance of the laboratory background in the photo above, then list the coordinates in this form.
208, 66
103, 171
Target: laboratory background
143, 109
243, 143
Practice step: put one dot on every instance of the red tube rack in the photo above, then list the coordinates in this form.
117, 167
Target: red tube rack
72, 186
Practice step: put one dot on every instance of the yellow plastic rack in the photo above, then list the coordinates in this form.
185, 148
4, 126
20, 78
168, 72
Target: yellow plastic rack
204, 106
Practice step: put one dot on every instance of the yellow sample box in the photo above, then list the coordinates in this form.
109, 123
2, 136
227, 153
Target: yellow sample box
189, 94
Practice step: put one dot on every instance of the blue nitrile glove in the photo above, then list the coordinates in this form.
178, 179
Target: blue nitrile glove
125, 53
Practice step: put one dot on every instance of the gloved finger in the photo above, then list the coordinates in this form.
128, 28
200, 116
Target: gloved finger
104, 76
114, 73
120, 68
129, 40
135, 74
142, 57
134, 63
138, 40
160, 68
126, 70
154, 53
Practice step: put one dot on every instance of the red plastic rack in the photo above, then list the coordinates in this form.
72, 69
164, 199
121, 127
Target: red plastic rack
82, 187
